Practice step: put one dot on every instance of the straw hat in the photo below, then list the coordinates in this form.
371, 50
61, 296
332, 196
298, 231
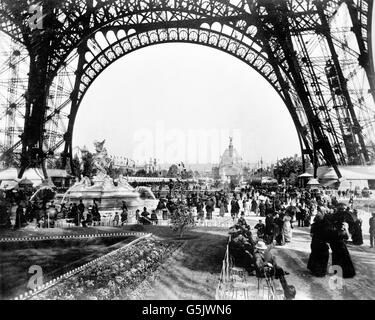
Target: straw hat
261, 246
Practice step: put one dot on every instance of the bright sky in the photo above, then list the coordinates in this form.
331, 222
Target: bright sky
181, 102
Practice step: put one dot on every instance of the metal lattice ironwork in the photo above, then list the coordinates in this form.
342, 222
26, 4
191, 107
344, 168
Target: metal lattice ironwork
317, 55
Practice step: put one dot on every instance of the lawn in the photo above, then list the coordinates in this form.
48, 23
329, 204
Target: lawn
55, 257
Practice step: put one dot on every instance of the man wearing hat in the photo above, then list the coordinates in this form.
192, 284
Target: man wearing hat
260, 226
265, 265
372, 229
242, 222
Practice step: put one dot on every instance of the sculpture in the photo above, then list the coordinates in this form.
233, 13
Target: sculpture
101, 160
122, 182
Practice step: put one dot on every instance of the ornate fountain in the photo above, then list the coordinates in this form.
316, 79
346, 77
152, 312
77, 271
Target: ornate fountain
102, 187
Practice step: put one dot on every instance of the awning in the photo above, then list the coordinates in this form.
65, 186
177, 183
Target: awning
313, 182
305, 175
47, 183
26, 181
329, 183
9, 185
149, 179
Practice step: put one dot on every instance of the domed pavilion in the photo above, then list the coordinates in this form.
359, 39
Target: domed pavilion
230, 163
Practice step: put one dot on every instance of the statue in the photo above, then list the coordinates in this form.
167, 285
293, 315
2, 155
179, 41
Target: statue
101, 160
122, 182
84, 182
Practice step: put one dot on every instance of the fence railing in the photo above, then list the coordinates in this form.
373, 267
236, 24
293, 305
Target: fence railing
221, 290
108, 221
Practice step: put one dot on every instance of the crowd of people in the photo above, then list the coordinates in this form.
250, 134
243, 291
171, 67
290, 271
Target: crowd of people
331, 224
280, 210
255, 256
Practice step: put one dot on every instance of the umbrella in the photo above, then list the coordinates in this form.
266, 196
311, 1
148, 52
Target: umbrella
292, 210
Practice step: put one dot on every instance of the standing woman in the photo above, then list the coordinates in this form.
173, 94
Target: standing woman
226, 202
223, 208
356, 229
338, 234
319, 256
254, 206
200, 211
210, 207
246, 206
287, 229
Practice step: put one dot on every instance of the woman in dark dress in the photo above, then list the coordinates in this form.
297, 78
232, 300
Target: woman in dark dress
355, 229
319, 256
269, 231
357, 233
278, 227
337, 235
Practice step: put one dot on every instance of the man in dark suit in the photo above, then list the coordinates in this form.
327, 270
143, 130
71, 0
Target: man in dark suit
234, 208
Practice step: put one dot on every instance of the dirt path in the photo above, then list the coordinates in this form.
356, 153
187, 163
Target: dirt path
294, 258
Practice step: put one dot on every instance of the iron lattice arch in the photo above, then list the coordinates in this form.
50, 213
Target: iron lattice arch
302, 48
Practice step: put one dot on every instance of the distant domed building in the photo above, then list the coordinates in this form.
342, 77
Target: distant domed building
230, 163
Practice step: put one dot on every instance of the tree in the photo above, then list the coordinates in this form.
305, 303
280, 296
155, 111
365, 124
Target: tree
181, 219
286, 167
76, 169
56, 162
164, 173
173, 171
141, 173
187, 174
190, 174
87, 165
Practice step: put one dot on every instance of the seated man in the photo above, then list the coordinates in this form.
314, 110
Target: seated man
265, 265
244, 230
242, 252
261, 228
242, 221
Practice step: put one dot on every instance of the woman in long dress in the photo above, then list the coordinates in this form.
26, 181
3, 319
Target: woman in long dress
287, 229
355, 228
319, 256
222, 209
357, 237
340, 253
246, 206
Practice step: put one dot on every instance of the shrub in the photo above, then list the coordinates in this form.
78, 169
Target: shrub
181, 219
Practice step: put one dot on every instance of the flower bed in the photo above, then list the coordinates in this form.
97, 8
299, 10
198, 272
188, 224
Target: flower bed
113, 277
